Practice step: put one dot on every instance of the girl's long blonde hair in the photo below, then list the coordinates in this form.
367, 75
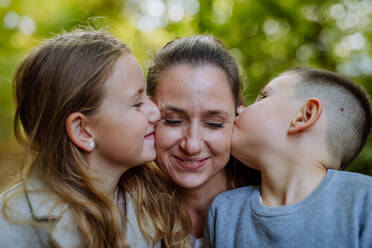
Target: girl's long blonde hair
65, 75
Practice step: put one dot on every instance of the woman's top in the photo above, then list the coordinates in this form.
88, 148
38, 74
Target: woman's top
197, 243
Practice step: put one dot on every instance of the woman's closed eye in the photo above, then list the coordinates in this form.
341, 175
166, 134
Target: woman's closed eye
215, 125
172, 122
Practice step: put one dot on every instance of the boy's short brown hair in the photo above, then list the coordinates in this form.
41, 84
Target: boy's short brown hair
346, 105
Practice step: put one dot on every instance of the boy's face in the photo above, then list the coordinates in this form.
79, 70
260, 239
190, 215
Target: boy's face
261, 128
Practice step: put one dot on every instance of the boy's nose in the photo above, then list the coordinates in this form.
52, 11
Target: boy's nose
240, 109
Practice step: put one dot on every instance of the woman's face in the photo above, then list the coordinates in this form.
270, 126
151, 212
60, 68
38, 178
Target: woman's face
123, 127
194, 137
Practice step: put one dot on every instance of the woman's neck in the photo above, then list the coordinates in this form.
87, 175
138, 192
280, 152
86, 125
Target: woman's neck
197, 201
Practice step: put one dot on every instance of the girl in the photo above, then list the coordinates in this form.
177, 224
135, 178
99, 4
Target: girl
84, 117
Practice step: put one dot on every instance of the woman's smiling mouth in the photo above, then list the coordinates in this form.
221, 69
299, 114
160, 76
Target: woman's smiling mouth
191, 163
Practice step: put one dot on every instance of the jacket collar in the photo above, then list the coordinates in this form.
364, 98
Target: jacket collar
46, 205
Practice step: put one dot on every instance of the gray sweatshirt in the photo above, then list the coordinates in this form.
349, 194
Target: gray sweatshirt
337, 214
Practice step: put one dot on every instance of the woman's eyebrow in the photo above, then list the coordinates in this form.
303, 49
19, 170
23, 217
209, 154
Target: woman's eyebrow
171, 108
217, 112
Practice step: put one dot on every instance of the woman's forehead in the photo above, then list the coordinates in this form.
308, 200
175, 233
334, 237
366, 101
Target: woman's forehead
196, 110
194, 83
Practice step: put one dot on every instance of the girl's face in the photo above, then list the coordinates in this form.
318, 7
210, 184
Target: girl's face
193, 139
123, 127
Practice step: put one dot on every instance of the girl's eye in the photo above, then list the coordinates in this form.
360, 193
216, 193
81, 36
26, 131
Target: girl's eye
215, 124
138, 104
172, 122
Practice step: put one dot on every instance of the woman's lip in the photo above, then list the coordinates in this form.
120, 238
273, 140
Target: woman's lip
191, 163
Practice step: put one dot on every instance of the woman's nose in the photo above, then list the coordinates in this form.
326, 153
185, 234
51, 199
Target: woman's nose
192, 142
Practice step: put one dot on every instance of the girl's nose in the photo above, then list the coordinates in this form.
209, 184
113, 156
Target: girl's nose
154, 113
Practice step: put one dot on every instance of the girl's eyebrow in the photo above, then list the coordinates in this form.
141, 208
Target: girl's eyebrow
138, 93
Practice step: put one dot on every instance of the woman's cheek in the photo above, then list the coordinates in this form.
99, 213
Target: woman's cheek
166, 137
220, 140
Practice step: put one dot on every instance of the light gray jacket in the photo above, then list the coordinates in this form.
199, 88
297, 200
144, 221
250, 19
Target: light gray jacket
36, 207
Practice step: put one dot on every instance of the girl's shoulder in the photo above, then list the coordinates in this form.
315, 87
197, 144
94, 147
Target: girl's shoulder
32, 216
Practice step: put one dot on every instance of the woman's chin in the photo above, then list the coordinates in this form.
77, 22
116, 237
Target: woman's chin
190, 183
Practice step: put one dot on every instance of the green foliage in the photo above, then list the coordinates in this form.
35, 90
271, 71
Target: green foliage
266, 37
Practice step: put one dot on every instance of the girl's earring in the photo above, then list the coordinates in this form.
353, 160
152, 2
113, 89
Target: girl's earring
92, 144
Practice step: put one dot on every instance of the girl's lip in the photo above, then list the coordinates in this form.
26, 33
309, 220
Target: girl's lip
150, 135
191, 163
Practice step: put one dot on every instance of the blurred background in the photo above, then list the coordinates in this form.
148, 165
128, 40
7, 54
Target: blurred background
266, 37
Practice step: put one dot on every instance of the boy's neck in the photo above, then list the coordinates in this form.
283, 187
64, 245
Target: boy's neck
283, 184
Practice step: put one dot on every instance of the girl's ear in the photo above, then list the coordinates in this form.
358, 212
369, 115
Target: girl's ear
307, 117
78, 132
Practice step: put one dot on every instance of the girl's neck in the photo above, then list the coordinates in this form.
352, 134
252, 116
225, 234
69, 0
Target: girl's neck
107, 177
197, 201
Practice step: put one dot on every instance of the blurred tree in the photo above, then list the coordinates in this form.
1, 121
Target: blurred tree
266, 37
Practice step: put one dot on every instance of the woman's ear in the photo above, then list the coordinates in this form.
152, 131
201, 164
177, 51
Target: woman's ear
307, 117
78, 132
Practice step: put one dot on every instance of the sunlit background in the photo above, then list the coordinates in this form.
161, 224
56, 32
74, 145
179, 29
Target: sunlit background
265, 36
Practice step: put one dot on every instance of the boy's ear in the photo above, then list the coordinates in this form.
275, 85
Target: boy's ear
78, 132
307, 117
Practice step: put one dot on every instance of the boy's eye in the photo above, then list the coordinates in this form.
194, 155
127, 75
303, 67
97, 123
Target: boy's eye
215, 124
138, 104
172, 122
261, 96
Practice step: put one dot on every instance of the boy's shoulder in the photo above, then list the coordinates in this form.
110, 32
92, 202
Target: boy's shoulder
234, 197
355, 188
354, 179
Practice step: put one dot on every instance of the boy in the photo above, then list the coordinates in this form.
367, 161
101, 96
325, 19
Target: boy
304, 126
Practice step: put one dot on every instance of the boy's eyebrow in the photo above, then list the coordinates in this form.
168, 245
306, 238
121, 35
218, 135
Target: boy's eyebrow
265, 88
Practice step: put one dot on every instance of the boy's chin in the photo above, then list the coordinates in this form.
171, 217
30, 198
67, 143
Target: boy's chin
237, 154
241, 155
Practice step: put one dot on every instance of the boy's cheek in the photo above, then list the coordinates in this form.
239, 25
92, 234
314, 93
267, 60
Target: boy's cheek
240, 129
237, 143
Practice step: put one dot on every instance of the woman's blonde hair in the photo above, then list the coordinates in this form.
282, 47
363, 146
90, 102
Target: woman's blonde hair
65, 75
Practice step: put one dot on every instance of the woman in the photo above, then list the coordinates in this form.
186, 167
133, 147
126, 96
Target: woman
84, 117
195, 83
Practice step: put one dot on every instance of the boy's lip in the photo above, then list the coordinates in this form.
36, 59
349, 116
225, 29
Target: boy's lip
191, 163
